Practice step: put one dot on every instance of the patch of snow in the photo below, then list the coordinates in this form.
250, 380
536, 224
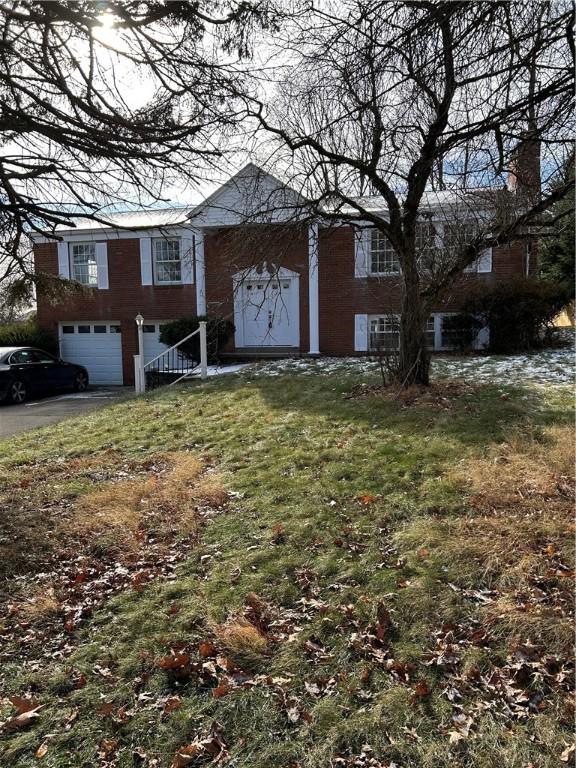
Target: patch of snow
553, 366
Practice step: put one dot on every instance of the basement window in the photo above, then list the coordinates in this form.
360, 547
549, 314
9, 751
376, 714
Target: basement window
385, 333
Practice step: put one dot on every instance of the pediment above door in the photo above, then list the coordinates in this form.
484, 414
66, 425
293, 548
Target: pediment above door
265, 271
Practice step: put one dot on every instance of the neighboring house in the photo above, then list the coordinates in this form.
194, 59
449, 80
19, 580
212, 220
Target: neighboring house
290, 286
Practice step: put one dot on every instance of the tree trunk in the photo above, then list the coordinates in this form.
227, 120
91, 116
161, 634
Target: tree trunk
414, 362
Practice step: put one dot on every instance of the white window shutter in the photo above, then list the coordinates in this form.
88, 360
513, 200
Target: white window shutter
146, 260
186, 256
360, 333
485, 261
362, 242
63, 261
102, 264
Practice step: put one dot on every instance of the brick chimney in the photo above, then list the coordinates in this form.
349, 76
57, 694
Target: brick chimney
524, 172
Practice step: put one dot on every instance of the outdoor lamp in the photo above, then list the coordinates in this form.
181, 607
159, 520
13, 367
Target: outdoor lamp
139, 320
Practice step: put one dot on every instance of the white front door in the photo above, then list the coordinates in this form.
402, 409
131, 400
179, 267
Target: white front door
270, 312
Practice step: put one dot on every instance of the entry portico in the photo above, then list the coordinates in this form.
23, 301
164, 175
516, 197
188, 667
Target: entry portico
266, 292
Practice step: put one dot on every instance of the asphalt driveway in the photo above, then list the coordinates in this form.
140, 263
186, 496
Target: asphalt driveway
50, 410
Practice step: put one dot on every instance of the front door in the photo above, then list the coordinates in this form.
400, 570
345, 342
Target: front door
270, 312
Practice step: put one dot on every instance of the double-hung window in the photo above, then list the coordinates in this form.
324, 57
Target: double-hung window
384, 333
167, 256
83, 267
425, 241
457, 236
383, 258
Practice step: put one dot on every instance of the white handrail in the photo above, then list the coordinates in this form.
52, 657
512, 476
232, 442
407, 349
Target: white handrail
173, 347
140, 378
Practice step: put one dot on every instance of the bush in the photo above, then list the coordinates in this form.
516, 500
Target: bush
28, 335
518, 312
218, 331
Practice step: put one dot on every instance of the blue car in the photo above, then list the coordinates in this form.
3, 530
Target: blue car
28, 372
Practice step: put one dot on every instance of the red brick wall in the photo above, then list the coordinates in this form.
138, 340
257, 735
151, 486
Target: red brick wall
123, 300
227, 251
342, 295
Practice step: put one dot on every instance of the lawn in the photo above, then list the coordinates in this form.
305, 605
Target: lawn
291, 571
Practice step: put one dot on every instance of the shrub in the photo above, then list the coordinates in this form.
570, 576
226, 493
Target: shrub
518, 312
218, 331
28, 335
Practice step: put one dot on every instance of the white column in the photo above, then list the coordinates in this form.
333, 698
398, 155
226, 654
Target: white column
313, 310
200, 273
203, 351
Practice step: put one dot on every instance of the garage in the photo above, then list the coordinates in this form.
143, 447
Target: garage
152, 345
95, 345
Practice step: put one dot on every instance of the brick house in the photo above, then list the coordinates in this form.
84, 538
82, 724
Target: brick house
291, 286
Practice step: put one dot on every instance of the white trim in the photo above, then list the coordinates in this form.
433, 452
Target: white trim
155, 279
313, 290
200, 267
93, 235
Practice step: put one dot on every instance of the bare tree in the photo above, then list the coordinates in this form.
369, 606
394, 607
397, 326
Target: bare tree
426, 107
101, 103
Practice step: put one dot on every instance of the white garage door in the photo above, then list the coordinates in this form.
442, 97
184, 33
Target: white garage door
152, 345
95, 345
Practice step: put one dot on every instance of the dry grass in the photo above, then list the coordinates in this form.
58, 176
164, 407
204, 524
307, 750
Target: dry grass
524, 469
168, 499
518, 539
40, 605
243, 642
120, 521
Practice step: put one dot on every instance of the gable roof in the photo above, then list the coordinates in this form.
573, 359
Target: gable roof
252, 195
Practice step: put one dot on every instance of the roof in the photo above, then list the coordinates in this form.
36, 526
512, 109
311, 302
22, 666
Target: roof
431, 200
157, 217
166, 217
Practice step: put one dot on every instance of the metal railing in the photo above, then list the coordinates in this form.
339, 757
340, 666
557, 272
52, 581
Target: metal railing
170, 366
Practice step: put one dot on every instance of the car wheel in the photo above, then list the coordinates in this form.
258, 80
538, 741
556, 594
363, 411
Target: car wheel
80, 382
17, 392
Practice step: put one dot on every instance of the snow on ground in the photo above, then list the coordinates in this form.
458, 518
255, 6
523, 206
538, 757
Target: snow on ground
552, 366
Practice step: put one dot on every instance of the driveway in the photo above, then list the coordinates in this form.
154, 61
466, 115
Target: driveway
50, 410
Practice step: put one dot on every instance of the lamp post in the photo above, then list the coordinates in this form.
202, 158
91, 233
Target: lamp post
139, 378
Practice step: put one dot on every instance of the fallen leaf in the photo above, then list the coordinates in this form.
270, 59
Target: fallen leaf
21, 721
41, 751
207, 649
172, 704
22, 705
220, 690
107, 748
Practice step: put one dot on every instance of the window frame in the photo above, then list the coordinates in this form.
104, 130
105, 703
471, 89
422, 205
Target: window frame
93, 262
388, 318
155, 261
385, 251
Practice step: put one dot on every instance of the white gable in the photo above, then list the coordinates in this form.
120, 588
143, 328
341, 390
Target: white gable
252, 195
